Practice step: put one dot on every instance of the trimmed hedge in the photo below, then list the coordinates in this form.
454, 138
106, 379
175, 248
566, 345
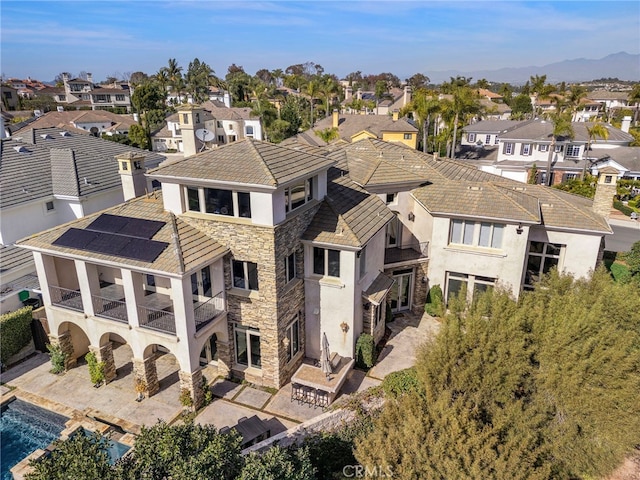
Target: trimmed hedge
365, 351
15, 332
399, 383
618, 205
435, 303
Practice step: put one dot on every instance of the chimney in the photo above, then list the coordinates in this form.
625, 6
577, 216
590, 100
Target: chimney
348, 93
226, 99
190, 116
65, 78
359, 94
335, 118
407, 95
90, 78
131, 170
626, 123
605, 190
395, 115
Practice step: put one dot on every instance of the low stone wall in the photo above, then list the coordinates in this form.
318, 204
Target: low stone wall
326, 422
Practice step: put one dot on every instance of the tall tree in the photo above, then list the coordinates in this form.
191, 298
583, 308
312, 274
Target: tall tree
197, 80
561, 129
634, 98
595, 130
418, 80
312, 90
174, 75
425, 106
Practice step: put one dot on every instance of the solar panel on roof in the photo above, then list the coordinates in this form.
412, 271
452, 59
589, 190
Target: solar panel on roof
109, 244
144, 250
129, 226
75, 238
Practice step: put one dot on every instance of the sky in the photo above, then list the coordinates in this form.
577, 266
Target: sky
40, 39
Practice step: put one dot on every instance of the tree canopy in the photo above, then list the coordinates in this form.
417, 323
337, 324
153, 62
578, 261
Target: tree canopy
544, 387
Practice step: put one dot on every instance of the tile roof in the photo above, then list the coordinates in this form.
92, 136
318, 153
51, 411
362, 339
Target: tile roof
247, 161
349, 215
628, 157
194, 247
492, 126
12, 257
49, 163
378, 288
349, 125
221, 112
541, 130
607, 95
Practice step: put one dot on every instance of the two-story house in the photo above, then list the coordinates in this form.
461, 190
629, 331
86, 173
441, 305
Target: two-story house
79, 93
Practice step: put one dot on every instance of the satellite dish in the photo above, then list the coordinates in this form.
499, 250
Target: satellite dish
205, 136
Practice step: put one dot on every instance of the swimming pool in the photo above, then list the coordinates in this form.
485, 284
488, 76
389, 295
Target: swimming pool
24, 428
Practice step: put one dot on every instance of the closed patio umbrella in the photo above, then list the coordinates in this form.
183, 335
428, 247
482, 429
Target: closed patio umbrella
325, 359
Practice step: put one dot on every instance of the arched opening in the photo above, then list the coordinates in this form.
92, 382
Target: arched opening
122, 356
79, 339
209, 353
94, 131
167, 368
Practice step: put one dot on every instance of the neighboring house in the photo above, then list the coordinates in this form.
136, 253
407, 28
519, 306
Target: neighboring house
84, 94
252, 252
94, 122
51, 176
523, 144
610, 100
393, 100
352, 128
626, 161
9, 97
222, 125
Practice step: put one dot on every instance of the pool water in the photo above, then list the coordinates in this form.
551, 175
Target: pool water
24, 428
116, 449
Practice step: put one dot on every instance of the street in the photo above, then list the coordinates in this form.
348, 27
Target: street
623, 237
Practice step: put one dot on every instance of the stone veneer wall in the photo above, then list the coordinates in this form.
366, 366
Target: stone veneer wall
273, 306
420, 288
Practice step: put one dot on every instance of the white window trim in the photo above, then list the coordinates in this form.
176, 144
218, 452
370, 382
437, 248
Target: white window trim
475, 239
325, 273
543, 147
508, 148
287, 262
290, 353
308, 194
544, 255
526, 149
203, 206
471, 281
248, 331
48, 211
471, 137
487, 140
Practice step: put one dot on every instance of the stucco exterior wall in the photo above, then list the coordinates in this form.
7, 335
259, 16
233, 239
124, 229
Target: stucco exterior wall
399, 137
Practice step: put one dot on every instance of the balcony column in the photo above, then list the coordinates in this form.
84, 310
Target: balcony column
46, 270
185, 321
193, 383
145, 370
133, 293
104, 353
89, 284
66, 345
224, 357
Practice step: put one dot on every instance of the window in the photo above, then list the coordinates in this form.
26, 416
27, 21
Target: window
297, 195
63, 98
290, 266
392, 234
249, 131
232, 138
185, 118
193, 199
573, 151
119, 98
487, 140
608, 178
326, 262
526, 149
245, 275
558, 149
543, 147
219, 124
247, 343
362, 256
541, 258
244, 204
391, 198
508, 149
484, 234
471, 137
497, 140
472, 285
380, 311
408, 136
124, 166
50, 206
197, 115
219, 202
491, 235
570, 176
220, 138
293, 335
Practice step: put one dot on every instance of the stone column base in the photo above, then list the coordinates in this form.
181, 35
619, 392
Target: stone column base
193, 383
224, 359
104, 353
145, 370
66, 344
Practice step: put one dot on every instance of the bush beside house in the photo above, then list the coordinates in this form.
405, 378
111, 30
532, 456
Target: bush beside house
15, 332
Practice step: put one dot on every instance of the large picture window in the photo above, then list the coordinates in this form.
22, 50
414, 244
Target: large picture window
293, 336
247, 343
297, 195
541, 258
326, 262
218, 201
245, 275
472, 285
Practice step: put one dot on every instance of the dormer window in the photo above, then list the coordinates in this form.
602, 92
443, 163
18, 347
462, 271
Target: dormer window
297, 195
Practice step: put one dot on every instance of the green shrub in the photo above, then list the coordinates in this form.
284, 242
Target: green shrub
618, 205
434, 305
365, 351
398, 383
96, 368
389, 314
58, 358
15, 332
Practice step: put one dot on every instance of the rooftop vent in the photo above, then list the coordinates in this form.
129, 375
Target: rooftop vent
46, 136
64, 133
20, 149
475, 187
547, 204
520, 189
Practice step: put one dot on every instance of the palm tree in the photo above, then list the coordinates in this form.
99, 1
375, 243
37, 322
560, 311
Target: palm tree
424, 105
312, 90
562, 127
329, 88
162, 78
634, 97
174, 74
595, 130
465, 103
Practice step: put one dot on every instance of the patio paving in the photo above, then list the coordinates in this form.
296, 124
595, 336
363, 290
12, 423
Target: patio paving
225, 389
408, 332
253, 397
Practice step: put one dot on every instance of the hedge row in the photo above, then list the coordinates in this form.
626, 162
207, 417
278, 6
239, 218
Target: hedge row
15, 332
618, 205
365, 351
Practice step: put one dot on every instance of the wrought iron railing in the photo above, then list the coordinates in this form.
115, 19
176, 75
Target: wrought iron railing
406, 252
111, 309
67, 298
159, 320
206, 312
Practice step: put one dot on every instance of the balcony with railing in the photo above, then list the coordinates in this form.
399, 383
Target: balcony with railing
66, 298
206, 312
411, 252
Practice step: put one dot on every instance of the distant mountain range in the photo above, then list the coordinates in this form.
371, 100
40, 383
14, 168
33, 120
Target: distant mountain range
622, 65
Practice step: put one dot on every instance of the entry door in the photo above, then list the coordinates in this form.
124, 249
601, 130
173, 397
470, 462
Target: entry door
400, 294
201, 284
209, 352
